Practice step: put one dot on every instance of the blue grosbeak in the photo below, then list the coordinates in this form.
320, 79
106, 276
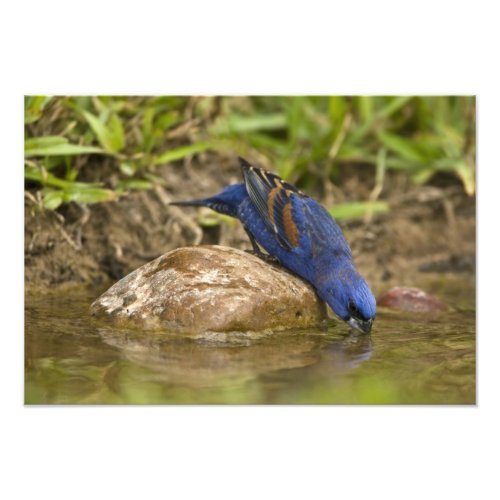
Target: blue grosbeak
301, 235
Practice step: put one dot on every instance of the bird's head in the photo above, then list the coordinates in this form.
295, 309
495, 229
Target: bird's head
349, 296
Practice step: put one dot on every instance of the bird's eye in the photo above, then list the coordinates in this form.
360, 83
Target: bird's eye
353, 310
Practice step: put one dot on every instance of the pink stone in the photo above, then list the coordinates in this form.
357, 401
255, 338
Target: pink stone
410, 299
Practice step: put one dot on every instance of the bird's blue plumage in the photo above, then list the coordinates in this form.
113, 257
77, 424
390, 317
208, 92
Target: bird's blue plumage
302, 235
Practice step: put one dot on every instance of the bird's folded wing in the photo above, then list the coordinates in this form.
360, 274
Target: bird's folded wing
276, 201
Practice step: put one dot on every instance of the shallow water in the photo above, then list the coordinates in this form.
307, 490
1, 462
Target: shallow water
408, 358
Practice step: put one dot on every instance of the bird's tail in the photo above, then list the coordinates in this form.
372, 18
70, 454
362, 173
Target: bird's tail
212, 203
192, 203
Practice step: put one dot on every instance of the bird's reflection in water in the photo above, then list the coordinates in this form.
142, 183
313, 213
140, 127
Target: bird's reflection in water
349, 352
214, 359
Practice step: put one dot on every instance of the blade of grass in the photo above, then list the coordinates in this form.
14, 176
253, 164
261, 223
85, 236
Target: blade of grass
44, 142
365, 108
134, 184
394, 105
77, 192
182, 152
405, 148
63, 149
110, 137
242, 124
337, 108
33, 107
357, 210
89, 194
53, 199
466, 174
34, 173
117, 132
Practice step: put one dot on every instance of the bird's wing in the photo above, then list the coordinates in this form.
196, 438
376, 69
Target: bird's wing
324, 232
276, 201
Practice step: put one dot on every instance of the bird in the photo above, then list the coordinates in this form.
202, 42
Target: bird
301, 235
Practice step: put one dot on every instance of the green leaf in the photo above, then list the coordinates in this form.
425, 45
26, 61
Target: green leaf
62, 149
337, 108
357, 210
117, 133
53, 199
78, 192
127, 168
34, 173
348, 152
147, 123
154, 179
110, 137
452, 141
167, 120
403, 147
34, 106
429, 145
365, 108
466, 174
84, 194
44, 142
208, 218
134, 184
242, 124
265, 141
50, 162
295, 119
285, 168
182, 152
394, 105
423, 175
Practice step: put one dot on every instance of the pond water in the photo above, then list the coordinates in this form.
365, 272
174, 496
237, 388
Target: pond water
408, 359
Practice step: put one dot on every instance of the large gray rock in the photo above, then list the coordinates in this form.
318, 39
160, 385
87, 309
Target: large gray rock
211, 288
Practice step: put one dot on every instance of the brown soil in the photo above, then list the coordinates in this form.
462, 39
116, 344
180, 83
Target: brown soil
428, 229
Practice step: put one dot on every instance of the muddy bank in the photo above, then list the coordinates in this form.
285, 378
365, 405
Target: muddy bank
429, 231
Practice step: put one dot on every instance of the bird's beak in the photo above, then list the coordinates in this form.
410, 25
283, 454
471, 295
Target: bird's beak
362, 326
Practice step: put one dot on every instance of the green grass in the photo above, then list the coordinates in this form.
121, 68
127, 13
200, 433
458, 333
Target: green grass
306, 139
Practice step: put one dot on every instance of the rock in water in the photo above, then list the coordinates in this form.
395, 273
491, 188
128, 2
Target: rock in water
211, 288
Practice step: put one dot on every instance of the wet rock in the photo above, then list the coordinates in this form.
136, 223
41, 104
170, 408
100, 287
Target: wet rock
410, 299
211, 288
